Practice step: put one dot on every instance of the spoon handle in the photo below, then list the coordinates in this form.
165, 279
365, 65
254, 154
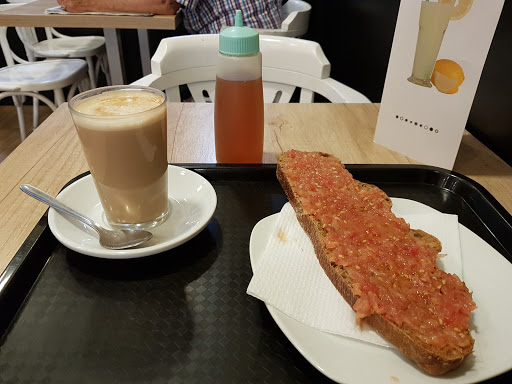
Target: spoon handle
54, 203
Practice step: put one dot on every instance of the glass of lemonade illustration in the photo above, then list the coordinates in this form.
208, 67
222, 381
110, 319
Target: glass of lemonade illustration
434, 19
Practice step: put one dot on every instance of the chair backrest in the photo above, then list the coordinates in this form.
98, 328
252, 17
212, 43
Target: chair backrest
10, 56
295, 16
28, 37
288, 63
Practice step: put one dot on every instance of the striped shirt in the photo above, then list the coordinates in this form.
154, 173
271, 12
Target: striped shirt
209, 16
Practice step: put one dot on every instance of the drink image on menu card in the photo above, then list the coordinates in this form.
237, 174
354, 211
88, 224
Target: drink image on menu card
123, 132
434, 19
433, 22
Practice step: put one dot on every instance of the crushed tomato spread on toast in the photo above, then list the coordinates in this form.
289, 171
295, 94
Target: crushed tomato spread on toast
392, 269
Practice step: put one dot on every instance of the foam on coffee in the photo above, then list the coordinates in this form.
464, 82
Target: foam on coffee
118, 103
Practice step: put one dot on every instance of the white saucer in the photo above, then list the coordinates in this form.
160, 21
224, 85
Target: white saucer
193, 201
486, 272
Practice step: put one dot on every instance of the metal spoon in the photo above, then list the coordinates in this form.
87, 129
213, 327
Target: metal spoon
111, 239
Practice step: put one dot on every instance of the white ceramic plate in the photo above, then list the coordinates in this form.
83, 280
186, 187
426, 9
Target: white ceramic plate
487, 273
193, 201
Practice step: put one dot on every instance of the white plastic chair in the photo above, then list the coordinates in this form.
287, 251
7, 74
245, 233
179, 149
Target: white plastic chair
295, 16
30, 78
58, 45
90, 48
65, 46
288, 63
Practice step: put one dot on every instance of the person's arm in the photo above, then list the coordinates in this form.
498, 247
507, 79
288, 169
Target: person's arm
159, 7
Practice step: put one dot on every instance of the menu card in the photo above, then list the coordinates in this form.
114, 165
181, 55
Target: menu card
438, 53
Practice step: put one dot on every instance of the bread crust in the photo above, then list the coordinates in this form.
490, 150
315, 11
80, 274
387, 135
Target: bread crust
433, 361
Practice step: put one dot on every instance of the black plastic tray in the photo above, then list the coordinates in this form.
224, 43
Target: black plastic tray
183, 316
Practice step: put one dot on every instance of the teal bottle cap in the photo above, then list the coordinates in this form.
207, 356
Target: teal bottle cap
239, 40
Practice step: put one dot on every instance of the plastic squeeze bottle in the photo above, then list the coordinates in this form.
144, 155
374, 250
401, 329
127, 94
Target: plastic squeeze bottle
239, 96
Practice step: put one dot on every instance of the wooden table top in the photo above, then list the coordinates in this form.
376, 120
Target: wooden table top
52, 155
32, 15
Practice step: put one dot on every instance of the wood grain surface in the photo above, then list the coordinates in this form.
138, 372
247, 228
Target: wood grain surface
33, 15
51, 156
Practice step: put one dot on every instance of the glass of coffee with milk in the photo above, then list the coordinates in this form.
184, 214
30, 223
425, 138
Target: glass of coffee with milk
123, 132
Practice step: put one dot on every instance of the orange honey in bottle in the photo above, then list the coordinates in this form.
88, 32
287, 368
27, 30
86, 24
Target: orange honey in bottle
239, 96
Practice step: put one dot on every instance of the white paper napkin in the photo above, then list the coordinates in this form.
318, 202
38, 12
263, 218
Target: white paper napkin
58, 10
289, 277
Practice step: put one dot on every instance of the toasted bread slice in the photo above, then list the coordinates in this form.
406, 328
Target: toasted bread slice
434, 358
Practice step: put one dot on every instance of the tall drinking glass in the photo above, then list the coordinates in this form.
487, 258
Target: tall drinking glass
434, 19
123, 132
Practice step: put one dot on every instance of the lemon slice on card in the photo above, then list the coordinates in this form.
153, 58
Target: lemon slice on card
460, 8
447, 76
